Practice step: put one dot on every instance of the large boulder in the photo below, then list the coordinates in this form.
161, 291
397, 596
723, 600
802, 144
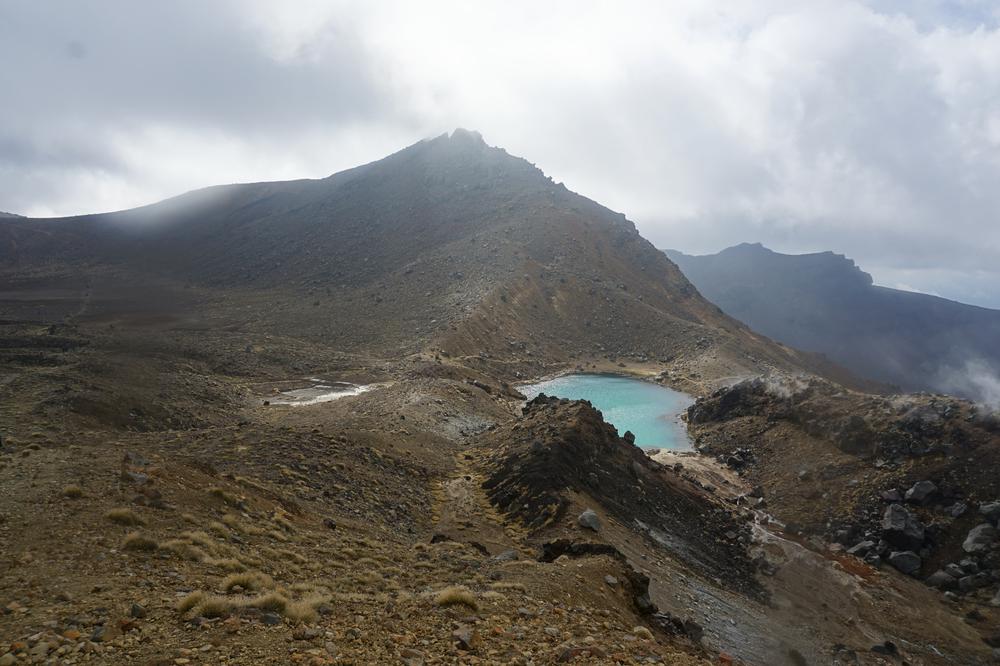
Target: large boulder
901, 528
942, 580
921, 492
991, 510
906, 561
980, 538
589, 520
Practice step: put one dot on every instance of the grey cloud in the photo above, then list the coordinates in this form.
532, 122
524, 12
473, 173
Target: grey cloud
868, 128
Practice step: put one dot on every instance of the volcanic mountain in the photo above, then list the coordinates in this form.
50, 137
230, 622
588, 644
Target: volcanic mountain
448, 244
825, 303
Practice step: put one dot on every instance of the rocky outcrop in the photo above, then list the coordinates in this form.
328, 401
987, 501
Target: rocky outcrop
561, 448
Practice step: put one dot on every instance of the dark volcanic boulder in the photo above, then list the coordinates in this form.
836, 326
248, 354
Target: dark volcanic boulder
901, 528
980, 538
942, 580
905, 561
991, 510
921, 492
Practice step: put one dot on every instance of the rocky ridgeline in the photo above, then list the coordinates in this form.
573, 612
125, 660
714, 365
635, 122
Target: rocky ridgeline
560, 448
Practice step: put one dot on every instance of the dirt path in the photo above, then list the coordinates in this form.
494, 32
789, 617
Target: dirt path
463, 513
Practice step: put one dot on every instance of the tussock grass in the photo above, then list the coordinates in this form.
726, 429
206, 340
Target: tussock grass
184, 550
124, 516
250, 580
189, 601
218, 529
137, 541
220, 493
232, 521
72, 492
456, 595
643, 633
228, 564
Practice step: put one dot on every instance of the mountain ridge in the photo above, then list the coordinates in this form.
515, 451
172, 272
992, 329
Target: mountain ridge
468, 248
825, 303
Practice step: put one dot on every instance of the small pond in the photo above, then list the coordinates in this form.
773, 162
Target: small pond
650, 411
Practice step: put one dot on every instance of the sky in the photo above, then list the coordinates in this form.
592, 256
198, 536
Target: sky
867, 128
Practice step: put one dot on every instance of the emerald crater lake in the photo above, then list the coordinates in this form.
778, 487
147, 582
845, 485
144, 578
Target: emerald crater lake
651, 412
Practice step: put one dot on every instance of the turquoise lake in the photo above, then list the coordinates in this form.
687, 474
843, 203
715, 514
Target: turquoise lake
650, 411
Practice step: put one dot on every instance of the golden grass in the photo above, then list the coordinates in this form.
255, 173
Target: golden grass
137, 541
228, 564
250, 580
190, 601
456, 595
124, 516
72, 492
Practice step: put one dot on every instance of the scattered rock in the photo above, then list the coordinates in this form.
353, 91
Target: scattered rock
137, 611
466, 638
611, 580
589, 520
861, 549
901, 528
892, 495
954, 570
942, 580
307, 633
921, 492
906, 561
991, 510
980, 538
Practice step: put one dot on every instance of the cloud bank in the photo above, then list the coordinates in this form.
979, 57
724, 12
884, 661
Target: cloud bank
868, 128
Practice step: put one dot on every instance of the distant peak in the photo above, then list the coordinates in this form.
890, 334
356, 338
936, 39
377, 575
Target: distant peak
462, 134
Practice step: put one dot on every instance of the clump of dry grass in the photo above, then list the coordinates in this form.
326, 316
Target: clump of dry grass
220, 493
189, 601
456, 595
124, 516
218, 529
249, 580
72, 492
137, 541
643, 633
232, 522
228, 564
184, 550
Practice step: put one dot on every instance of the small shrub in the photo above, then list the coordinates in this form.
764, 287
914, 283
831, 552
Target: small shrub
643, 633
185, 550
136, 541
221, 494
456, 596
218, 529
271, 601
72, 492
189, 601
228, 564
213, 605
124, 517
250, 580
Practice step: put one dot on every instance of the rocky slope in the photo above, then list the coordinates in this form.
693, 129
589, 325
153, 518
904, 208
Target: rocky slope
448, 244
824, 303
190, 517
903, 481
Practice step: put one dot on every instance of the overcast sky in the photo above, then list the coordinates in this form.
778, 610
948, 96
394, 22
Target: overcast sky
868, 128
